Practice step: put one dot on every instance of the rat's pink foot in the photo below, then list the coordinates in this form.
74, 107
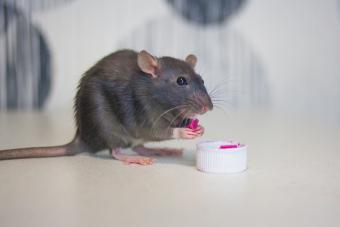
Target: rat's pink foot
157, 151
131, 159
187, 133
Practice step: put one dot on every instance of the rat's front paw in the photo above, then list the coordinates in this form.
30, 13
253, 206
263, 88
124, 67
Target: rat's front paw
187, 133
199, 130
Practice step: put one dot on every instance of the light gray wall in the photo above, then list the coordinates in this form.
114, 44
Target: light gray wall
299, 42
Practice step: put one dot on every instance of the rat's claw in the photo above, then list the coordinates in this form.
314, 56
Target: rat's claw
132, 159
199, 131
138, 160
185, 133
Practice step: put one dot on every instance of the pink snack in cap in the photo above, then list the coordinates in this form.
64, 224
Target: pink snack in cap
228, 146
193, 124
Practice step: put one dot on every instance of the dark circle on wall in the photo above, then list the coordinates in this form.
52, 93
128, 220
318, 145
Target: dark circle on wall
206, 12
44, 85
42, 65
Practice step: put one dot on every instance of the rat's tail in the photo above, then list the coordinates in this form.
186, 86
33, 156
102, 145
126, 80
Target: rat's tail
74, 147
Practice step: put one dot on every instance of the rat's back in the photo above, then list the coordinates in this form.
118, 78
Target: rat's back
121, 64
102, 101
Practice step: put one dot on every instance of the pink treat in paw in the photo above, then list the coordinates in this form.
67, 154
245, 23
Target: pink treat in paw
193, 124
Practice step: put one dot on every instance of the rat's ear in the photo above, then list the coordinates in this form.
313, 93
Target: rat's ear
191, 60
147, 63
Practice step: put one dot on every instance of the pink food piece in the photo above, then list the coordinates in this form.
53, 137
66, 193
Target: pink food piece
228, 146
193, 124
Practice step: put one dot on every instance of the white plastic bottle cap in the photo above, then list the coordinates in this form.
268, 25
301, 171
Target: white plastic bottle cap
221, 157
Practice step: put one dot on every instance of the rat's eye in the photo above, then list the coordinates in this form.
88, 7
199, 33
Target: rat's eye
181, 81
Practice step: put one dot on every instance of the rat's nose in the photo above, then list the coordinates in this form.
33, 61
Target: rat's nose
207, 107
204, 103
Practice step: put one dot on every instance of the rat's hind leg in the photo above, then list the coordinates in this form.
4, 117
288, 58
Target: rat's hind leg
131, 159
157, 151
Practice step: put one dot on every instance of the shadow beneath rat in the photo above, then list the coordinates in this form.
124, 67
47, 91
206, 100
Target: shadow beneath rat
187, 159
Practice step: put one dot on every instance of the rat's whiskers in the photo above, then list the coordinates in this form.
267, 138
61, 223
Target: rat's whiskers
178, 115
167, 111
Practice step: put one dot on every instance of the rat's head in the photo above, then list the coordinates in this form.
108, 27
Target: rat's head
175, 84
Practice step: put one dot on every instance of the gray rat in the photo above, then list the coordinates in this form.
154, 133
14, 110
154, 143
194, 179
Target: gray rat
128, 99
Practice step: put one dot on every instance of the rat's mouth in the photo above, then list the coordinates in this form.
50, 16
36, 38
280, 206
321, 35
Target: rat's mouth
189, 120
191, 123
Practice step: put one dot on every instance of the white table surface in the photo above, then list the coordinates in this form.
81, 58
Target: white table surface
293, 178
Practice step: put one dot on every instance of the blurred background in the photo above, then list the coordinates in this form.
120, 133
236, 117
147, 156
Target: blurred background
268, 54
